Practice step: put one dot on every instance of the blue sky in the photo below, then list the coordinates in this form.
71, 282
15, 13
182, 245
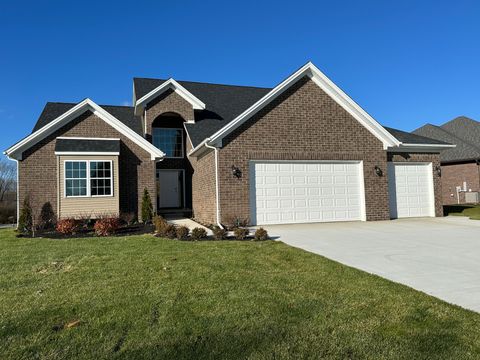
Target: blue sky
405, 62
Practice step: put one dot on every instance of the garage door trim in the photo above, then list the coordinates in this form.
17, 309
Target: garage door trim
252, 190
392, 187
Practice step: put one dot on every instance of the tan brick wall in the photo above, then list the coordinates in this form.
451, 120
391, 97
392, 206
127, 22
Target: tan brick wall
437, 180
454, 175
304, 123
203, 187
38, 171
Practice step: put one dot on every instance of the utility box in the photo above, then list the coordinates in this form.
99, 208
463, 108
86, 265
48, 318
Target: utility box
472, 197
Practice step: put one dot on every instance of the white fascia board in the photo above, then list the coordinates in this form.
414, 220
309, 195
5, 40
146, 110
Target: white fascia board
87, 104
326, 85
100, 153
196, 103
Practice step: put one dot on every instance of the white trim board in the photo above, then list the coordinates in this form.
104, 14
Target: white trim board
102, 153
196, 103
16, 150
320, 79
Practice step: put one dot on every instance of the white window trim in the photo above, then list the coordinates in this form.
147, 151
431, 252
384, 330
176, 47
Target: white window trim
183, 150
89, 193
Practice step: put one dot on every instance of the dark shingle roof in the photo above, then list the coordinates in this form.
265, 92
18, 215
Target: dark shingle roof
87, 145
52, 110
463, 150
223, 103
409, 138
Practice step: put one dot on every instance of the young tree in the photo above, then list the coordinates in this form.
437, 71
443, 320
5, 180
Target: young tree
147, 208
25, 221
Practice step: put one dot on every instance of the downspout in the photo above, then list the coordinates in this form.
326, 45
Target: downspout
217, 185
18, 187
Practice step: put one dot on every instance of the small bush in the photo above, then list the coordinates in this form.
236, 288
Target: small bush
160, 223
240, 233
261, 234
25, 221
219, 233
182, 232
106, 226
233, 221
85, 221
128, 218
47, 216
170, 231
67, 226
147, 207
199, 233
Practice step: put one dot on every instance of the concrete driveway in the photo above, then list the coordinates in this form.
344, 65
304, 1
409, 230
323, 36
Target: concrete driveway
439, 256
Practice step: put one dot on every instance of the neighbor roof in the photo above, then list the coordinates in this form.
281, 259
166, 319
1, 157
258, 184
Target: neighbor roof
64, 145
462, 131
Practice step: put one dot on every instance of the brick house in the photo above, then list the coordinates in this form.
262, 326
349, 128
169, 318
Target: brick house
460, 165
302, 151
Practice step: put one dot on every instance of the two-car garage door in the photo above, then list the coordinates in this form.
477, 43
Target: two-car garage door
295, 192
283, 192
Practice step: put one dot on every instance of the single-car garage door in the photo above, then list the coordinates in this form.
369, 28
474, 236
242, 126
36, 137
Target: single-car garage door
306, 191
411, 190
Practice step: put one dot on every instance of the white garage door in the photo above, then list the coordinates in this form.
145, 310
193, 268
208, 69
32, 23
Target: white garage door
411, 190
301, 192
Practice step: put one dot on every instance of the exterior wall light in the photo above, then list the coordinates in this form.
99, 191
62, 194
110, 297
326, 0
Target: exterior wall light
236, 172
438, 170
378, 171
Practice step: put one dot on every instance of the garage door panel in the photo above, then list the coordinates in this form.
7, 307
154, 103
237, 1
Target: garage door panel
411, 190
287, 192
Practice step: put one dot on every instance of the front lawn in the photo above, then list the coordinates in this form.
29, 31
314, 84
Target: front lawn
141, 297
472, 211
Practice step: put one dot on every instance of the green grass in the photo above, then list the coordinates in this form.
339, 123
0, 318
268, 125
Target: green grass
472, 211
142, 297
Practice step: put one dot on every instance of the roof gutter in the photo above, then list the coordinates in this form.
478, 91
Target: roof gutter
217, 186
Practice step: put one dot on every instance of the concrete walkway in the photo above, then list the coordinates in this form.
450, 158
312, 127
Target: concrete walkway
439, 256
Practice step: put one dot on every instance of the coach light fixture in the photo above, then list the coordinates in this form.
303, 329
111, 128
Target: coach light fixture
378, 171
236, 172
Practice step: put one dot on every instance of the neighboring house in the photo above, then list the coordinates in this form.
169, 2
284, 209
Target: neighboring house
460, 165
302, 151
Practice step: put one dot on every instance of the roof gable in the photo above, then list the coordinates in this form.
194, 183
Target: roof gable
72, 113
170, 84
326, 85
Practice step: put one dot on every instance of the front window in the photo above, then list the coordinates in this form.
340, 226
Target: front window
88, 178
76, 178
170, 141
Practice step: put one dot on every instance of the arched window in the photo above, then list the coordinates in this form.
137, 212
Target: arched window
167, 135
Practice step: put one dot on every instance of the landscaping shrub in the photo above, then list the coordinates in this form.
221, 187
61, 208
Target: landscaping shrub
106, 226
47, 216
233, 221
67, 226
85, 221
147, 208
240, 233
261, 234
199, 233
25, 221
128, 218
219, 233
160, 223
182, 232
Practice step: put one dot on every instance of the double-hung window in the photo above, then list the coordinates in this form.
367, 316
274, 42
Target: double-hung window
88, 178
169, 140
